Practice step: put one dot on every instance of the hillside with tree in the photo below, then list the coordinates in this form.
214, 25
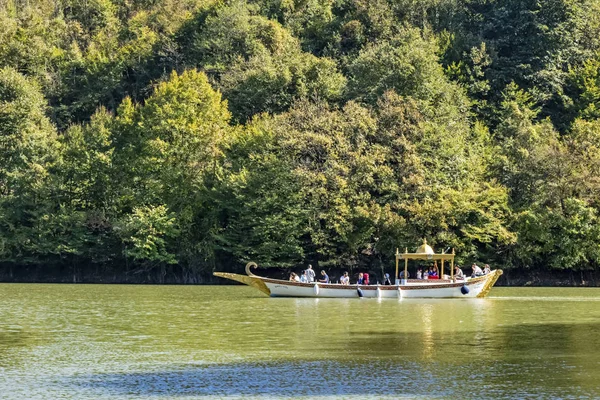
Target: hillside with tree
150, 140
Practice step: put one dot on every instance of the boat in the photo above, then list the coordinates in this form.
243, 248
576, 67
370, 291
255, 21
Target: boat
448, 287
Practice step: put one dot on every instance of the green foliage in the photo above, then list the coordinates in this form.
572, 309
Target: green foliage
171, 143
585, 81
147, 232
206, 133
28, 151
439, 183
169, 152
260, 201
258, 65
562, 240
406, 64
267, 84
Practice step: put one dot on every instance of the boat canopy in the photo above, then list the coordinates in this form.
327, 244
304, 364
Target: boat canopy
425, 252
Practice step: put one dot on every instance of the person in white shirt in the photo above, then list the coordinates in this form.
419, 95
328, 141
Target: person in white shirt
458, 273
476, 271
486, 269
345, 279
310, 274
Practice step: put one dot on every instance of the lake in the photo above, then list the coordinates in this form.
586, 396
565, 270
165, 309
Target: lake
188, 342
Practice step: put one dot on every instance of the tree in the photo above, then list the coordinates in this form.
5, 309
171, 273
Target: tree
407, 64
28, 152
87, 190
148, 232
258, 65
440, 182
168, 152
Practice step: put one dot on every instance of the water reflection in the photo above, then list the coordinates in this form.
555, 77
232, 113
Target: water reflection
334, 378
12, 341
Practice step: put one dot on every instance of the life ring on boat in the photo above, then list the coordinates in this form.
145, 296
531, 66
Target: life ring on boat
251, 264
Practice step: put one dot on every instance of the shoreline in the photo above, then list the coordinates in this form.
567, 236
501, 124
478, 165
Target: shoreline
510, 278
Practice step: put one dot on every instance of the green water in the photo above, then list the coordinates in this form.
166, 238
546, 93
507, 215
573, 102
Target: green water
139, 342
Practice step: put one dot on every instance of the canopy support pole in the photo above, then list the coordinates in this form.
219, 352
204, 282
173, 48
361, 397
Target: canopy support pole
396, 276
405, 270
452, 267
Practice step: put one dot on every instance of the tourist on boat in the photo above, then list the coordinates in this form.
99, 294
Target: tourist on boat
458, 273
324, 277
365, 278
486, 269
345, 279
293, 277
361, 279
476, 271
386, 279
402, 274
304, 278
310, 274
419, 273
433, 274
426, 273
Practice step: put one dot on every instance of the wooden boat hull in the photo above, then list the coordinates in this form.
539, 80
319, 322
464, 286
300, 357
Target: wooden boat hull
477, 287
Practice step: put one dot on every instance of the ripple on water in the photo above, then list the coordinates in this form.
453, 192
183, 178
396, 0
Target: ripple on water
309, 379
140, 342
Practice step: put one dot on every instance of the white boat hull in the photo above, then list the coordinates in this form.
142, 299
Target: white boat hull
476, 287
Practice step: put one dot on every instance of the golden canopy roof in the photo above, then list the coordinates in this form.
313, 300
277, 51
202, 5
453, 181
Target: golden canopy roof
425, 248
425, 252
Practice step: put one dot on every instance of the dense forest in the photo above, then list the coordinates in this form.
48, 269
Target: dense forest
172, 138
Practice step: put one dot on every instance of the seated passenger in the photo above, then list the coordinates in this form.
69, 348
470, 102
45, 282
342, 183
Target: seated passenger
458, 274
486, 269
419, 273
324, 277
433, 274
304, 278
361, 279
365, 278
345, 279
294, 277
476, 271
